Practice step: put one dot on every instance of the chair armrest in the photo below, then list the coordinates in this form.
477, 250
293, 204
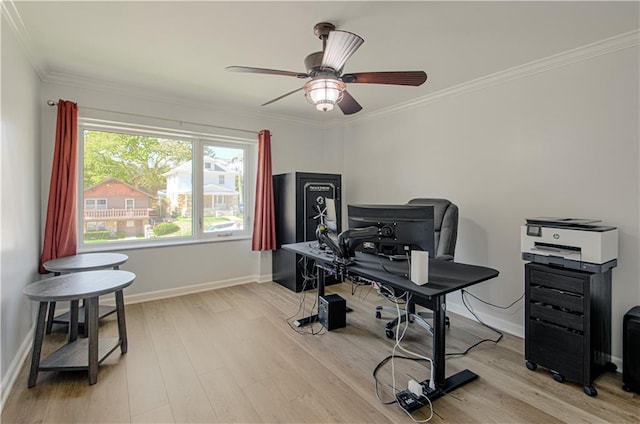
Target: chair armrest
445, 257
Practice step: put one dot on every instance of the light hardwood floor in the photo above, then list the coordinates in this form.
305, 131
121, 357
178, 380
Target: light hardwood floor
229, 355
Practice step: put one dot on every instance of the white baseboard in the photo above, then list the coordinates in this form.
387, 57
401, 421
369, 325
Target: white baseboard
185, 290
13, 371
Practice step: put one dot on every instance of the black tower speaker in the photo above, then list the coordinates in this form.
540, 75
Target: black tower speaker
297, 197
631, 350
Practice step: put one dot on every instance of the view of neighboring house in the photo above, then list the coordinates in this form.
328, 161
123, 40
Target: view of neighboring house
221, 196
117, 207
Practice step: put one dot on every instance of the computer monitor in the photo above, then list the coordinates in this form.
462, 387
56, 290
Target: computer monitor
401, 228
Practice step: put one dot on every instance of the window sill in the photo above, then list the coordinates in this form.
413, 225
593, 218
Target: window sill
159, 244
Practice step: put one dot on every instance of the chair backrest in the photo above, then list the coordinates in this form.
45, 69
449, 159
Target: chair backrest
445, 217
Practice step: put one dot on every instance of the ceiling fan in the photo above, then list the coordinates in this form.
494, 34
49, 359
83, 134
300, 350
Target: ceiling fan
327, 86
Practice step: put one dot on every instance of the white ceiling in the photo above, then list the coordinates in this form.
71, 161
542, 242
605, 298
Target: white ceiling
180, 49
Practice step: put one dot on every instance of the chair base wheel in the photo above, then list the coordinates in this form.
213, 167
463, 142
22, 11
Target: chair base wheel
590, 391
558, 377
389, 333
531, 366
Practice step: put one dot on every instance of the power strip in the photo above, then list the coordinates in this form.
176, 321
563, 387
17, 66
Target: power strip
415, 397
410, 401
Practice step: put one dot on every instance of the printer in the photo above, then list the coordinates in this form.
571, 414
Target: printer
582, 244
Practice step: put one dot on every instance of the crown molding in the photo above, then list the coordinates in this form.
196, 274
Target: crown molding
588, 51
59, 78
13, 18
598, 48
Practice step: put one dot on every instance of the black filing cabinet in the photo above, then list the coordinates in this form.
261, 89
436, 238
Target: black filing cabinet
568, 323
297, 198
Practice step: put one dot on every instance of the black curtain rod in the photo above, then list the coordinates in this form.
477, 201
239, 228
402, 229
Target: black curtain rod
53, 103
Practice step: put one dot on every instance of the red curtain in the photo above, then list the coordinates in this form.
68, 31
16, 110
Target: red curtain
60, 231
264, 224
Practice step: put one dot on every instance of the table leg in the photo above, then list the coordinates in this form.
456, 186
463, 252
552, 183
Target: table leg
122, 323
73, 320
52, 311
51, 316
92, 324
37, 344
86, 318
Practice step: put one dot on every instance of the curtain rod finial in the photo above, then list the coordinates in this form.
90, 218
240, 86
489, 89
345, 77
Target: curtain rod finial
51, 103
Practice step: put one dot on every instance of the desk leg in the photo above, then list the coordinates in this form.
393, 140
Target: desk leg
122, 323
92, 325
439, 340
313, 318
444, 385
37, 344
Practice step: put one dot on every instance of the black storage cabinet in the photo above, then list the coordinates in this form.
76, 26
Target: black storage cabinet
297, 196
568, 323
631, 350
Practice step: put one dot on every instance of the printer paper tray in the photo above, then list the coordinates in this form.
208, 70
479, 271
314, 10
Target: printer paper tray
568, 263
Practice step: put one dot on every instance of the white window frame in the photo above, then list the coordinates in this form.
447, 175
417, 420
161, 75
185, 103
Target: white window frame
133, 203
198, 140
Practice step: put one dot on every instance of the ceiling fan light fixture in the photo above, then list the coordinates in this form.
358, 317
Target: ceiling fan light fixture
324, 93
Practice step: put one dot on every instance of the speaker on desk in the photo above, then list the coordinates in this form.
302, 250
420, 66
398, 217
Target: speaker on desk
631, 350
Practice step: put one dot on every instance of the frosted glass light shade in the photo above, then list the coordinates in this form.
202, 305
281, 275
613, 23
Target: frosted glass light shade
324, 93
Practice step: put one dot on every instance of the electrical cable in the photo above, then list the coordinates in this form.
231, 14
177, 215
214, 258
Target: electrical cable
416, 357
390, 272
491, 304
303, 268
500, 334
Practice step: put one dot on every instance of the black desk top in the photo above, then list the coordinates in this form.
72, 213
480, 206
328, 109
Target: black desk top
444, 276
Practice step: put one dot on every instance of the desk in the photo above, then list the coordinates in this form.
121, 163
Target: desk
88, 285
78, 263
444, 277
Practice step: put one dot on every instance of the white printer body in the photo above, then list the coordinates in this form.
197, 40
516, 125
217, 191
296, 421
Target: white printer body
568, 242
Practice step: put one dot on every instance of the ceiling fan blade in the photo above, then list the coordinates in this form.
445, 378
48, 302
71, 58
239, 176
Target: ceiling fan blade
348, 105
282, 97
414, 78
250, 70
340, 46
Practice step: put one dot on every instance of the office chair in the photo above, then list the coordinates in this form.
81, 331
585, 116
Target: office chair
445, 217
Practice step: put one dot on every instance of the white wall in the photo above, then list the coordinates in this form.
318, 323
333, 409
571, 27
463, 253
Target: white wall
562, 142
20, 205
295, 147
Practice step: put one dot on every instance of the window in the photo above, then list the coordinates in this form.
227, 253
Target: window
96, 226
154, 192
94, 204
